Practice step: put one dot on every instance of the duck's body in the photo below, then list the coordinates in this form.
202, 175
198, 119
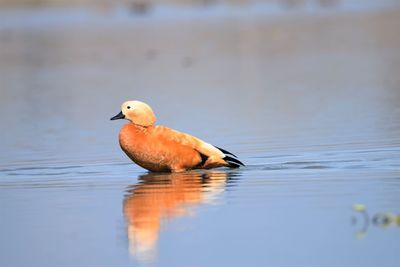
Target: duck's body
161, 149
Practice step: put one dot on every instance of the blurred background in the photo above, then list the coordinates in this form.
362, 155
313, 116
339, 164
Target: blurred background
305, 92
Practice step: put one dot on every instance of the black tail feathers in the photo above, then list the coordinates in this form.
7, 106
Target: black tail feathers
232, 161
226, 152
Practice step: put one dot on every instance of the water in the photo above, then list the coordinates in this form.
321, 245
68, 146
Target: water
308, 100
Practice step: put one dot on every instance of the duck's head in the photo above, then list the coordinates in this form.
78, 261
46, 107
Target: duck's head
136, 112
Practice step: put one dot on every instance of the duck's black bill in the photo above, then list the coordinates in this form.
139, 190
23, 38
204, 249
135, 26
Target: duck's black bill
118, 116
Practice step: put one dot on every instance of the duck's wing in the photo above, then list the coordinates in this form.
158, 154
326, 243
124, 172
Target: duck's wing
188, 140
208, 152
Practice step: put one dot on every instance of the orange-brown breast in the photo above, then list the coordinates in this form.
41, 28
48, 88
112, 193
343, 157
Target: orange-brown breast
157, 148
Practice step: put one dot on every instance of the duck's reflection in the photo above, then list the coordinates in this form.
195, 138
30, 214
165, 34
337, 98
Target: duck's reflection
160, 196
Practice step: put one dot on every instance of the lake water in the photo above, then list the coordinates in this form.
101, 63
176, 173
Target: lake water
308, 99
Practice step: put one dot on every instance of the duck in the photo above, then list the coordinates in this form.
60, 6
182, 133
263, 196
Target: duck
158, 148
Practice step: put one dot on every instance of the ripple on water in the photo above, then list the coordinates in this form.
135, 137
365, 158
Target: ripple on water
93, 174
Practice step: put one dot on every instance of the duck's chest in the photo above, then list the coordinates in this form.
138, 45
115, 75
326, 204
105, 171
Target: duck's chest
141, 147
134, 141
140, 144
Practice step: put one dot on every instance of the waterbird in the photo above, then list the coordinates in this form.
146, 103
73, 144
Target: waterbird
161, 149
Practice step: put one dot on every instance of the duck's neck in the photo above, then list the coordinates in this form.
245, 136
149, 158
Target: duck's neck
142, 127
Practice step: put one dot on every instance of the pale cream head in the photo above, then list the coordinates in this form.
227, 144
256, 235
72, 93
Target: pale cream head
137, 112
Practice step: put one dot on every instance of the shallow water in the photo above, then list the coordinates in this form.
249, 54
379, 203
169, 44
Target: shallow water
310, 101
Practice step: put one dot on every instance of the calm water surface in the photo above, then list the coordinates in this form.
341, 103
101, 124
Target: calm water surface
309, 101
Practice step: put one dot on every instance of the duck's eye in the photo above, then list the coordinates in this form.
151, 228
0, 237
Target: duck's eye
128, 107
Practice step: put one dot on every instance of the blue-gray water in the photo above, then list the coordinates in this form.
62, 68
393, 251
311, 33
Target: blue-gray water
309, 100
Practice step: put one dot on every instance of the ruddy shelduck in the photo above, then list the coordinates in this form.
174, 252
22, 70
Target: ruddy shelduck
161, 149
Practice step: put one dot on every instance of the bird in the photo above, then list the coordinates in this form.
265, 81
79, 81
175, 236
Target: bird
158, 148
